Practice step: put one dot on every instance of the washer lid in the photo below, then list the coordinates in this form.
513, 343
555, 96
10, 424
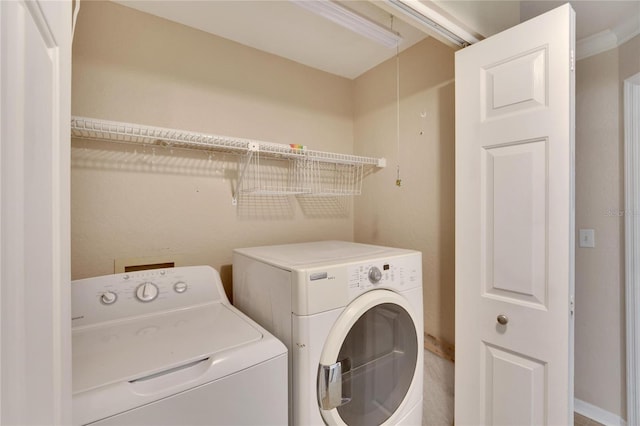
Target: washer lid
127, 350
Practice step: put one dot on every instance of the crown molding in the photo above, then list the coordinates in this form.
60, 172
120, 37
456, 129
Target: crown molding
608, 39
628, 29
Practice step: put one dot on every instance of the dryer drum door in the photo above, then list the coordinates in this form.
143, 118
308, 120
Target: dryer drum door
369, 361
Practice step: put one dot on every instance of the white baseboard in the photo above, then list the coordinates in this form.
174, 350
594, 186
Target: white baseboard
597, 414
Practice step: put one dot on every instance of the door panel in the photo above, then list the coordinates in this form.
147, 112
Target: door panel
514, 225
515, 84
515, 388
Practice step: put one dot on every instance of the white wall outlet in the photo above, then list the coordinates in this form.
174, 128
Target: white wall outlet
587, 238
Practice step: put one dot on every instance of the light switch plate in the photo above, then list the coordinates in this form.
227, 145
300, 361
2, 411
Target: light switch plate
587, 238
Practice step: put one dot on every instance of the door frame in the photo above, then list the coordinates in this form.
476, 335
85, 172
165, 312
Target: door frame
31, 395
632, 242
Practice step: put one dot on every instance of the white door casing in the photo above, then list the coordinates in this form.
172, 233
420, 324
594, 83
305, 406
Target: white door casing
35, 329
515, 225
632, 243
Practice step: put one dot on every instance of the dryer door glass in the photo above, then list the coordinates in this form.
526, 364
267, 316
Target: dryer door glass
378, 359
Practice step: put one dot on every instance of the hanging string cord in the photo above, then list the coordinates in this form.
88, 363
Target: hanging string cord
398, 180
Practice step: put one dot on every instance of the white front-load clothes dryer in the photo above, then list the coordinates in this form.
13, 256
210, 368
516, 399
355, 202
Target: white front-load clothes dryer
351, 316
165, 347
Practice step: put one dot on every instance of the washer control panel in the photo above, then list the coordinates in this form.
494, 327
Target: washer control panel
147, 292
131, 294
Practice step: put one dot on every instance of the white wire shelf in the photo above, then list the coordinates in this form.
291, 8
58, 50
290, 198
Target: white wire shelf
91, 128
304, 172
276, 190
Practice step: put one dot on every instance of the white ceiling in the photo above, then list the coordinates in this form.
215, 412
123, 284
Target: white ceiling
592, 17
287, 30
282, 28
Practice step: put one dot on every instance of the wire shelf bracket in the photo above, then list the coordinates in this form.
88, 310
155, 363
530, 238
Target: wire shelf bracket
252, 148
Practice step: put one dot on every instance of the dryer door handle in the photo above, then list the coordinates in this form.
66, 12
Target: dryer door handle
330, 385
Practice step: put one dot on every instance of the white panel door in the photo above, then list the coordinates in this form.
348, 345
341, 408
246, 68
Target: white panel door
514, 225
35, 329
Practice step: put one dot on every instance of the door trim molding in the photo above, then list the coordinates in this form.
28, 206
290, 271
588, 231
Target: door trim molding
35, 275
632, 243
598, 414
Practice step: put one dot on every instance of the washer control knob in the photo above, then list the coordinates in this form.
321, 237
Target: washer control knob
108, 298
180, 287
147, 292
375, 275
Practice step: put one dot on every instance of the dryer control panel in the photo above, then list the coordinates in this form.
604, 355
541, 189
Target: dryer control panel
397, 273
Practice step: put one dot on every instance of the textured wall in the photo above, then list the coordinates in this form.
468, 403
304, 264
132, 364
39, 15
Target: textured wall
134, 202
420, 213
599, 330
629, 58
600, 376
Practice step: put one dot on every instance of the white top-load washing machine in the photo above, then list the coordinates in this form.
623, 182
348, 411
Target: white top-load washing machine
165, 347
351, 316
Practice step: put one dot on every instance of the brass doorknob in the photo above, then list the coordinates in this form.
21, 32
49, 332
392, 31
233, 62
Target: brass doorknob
502, 319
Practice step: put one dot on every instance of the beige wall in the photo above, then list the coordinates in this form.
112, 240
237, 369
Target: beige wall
484, 18
420, 213
127, 202
130, 202
600, 331
629, 58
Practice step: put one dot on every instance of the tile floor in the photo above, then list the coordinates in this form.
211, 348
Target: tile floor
580, 420
437, 404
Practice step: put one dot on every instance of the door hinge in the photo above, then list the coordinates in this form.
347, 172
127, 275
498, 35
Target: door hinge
572, 305
573, 60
